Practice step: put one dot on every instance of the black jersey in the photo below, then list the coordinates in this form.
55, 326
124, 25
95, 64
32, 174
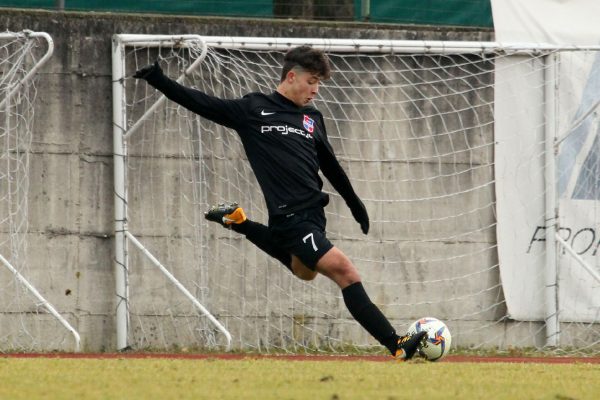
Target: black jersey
286, 145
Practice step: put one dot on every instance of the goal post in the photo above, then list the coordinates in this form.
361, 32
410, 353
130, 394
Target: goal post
24, 325
464, 192
122, 132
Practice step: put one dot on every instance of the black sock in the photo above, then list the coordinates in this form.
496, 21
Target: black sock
260, 235
369, 316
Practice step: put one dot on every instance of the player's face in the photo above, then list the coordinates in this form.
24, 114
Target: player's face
304, 87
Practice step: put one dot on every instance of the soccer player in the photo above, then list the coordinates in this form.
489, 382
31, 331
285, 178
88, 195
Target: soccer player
286, 144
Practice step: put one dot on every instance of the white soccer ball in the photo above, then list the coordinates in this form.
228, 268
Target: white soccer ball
439, 341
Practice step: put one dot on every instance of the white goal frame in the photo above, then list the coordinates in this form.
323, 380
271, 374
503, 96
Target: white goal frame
122, 132
27, 34
120, 135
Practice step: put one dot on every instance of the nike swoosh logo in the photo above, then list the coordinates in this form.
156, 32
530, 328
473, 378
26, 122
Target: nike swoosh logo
263, 112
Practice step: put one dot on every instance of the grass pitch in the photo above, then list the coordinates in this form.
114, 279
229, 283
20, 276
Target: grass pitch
127, 378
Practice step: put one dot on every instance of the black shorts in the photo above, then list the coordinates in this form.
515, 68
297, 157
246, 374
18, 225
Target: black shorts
302, 234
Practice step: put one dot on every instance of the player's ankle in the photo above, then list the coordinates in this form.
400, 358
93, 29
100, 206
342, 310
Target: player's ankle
242, 227
391, 343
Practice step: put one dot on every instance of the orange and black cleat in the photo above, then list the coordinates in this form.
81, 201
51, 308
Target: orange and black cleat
408, 345
226, 214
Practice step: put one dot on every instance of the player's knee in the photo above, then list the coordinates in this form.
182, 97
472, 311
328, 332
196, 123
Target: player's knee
348, 275
336, 266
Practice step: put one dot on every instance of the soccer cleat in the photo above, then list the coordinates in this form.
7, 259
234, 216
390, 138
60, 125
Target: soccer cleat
409, 344
226, 214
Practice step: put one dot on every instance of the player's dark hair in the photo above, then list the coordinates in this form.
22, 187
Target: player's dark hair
307, 58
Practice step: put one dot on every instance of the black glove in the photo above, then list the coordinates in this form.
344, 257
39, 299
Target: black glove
147, 70
359, 212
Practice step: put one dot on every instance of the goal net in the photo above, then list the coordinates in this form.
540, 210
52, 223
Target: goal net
414, 124
28, 321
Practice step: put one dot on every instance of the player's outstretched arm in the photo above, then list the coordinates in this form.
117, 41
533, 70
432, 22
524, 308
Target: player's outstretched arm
229, 113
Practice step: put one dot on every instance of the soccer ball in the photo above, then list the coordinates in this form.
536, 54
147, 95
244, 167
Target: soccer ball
439, 340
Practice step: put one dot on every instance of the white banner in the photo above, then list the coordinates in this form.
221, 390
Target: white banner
523, 99
547, 21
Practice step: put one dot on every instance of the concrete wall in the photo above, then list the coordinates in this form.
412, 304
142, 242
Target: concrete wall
71, 193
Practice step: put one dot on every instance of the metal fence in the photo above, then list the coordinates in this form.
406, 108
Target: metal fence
474, 13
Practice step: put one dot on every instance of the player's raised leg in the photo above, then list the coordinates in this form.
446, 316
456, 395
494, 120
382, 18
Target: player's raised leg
232, 216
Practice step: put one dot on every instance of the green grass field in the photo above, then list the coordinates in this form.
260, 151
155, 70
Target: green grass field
127, 378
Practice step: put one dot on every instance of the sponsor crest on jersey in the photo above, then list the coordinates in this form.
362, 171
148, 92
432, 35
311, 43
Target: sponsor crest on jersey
309, 124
